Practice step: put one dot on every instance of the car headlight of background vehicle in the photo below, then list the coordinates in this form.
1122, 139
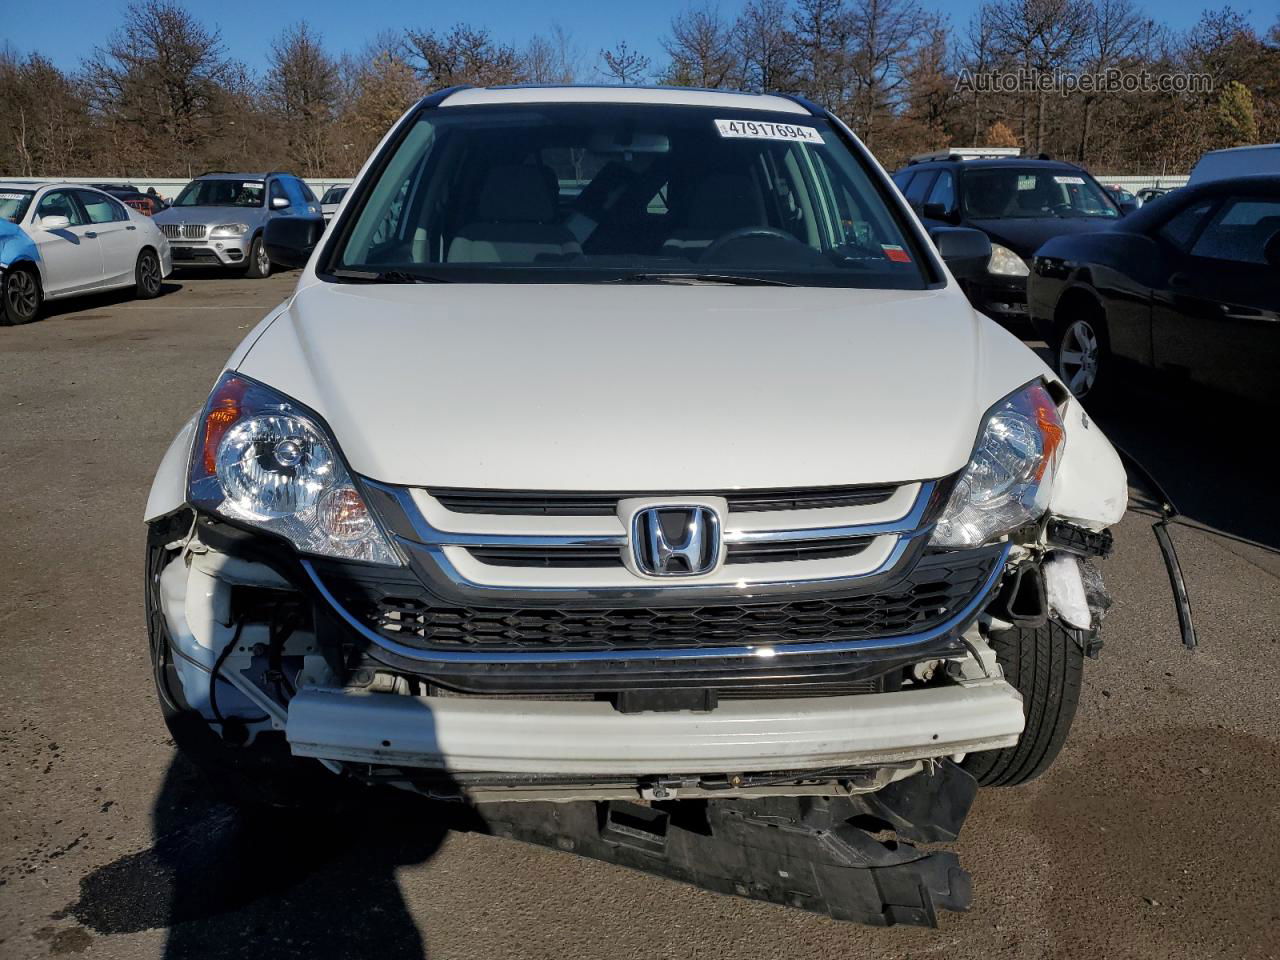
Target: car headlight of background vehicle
229, 230
264, 460
1007, 481
1005, 263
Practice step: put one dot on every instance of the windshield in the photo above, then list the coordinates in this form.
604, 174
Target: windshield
14, 203
221, 193
334, 195
600, 192
1033, 192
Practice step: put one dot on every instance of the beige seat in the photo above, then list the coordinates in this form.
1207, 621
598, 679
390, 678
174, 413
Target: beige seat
515, 220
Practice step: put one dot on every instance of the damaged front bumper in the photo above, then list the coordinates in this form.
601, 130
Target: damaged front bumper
342, 699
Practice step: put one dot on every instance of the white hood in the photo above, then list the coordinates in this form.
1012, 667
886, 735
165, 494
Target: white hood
641, 387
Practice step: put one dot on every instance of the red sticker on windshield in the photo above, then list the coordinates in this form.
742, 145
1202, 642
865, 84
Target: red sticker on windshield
895, 253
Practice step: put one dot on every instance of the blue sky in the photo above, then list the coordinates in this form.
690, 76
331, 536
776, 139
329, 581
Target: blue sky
67, 30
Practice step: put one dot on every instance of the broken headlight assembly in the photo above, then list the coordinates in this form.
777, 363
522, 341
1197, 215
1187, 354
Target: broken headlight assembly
1007, 481
263, 460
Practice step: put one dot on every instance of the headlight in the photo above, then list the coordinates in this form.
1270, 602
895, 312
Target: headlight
263, 459
1006, 263
229, 230
1010, 474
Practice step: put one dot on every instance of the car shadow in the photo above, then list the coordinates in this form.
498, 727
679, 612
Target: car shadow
1207, 451
96, 301
226, 883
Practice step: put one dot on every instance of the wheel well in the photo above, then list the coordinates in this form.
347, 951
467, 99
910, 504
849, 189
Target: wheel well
31, 267
1077, 301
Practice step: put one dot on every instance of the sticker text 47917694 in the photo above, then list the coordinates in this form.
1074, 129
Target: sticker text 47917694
763, 130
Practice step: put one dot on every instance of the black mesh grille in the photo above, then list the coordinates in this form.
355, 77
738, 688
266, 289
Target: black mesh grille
935, 589
541, 503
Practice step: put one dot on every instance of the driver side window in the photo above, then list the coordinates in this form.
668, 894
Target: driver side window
59, 203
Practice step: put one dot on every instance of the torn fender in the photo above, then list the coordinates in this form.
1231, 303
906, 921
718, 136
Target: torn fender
1090, 487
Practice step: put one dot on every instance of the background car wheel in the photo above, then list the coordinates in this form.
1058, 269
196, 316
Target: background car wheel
20, 298
1045, 664
1080, 356
259, 262
147, 275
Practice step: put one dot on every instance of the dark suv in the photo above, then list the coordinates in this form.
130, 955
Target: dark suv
1019, 202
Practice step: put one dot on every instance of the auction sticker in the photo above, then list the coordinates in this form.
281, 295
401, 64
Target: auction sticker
760, 130
1076, 180
14, 196
895, 253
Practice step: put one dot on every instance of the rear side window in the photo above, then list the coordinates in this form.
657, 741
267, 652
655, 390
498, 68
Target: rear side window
101, 208
307, 195
902, 178
1239, 231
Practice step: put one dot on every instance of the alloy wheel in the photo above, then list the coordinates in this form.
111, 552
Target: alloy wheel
264, 261
149, 275
22, 295
1078, 357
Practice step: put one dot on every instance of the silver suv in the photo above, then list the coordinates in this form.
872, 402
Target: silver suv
219, 218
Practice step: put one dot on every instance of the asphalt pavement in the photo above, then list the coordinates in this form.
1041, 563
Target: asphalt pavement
1156, 834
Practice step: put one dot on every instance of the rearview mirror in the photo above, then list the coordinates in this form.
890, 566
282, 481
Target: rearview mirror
54, 222
291, 240
966, 252
279, 203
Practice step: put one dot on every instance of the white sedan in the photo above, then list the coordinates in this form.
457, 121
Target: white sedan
63, 239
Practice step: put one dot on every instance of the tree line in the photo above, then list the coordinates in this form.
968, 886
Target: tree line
163, 97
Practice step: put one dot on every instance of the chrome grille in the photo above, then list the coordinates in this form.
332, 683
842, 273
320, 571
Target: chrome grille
184, 231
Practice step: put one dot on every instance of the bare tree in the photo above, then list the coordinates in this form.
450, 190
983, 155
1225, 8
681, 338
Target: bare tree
380, 86
702, 50
301, 87
823, 38
623, 65
1114, 37
551, 58
162, 77
44, 119
1044, 37
465, 54
884, 33
767, 49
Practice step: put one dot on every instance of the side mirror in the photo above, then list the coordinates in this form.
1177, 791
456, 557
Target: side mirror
279, 203
54, 222
966, 252
938, 211
291, 240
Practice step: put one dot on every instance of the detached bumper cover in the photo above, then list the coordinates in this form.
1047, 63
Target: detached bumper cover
576, 737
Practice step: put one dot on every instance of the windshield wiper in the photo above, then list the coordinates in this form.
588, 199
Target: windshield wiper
726, 278
387, 276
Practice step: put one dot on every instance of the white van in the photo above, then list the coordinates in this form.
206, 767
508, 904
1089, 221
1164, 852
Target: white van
1236, 162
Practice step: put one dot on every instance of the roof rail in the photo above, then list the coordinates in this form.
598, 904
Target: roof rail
209, 173
968, 153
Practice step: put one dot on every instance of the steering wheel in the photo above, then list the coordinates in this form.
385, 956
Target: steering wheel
746, 233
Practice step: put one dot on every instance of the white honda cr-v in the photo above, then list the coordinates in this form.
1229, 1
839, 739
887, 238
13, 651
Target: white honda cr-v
628, 443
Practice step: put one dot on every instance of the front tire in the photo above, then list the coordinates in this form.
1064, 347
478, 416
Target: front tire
1080, 356
147, 276
1046, 665
259, 263
21, 298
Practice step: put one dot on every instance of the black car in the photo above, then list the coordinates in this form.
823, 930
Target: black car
1188, 285
1019, 202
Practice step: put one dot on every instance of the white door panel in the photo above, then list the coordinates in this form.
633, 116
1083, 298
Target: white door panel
72, 254
117, 235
